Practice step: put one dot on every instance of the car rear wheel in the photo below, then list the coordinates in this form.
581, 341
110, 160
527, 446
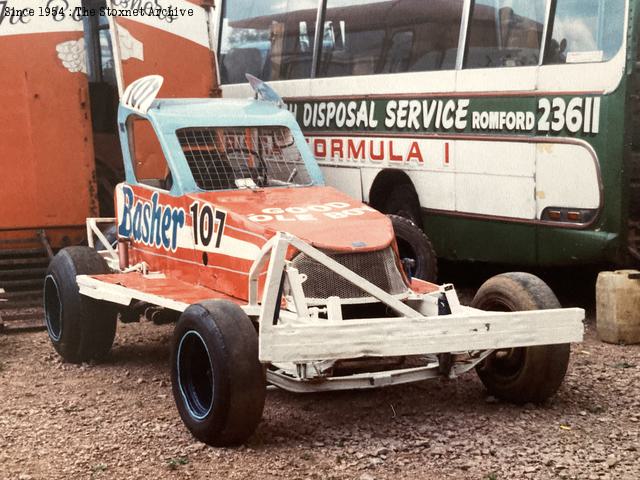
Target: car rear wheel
521, 375
80, 328
218, 383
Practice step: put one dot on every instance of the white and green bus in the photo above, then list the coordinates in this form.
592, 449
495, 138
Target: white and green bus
507, 129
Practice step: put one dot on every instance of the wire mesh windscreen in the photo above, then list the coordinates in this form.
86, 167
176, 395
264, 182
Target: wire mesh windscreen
223, 158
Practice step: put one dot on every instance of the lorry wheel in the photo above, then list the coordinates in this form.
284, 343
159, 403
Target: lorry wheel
527, 374
218, 383
414, 245
80, 328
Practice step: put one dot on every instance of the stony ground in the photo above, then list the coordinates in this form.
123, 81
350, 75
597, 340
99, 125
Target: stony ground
117, 420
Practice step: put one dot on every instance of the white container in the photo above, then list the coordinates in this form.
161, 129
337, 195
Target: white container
618, 306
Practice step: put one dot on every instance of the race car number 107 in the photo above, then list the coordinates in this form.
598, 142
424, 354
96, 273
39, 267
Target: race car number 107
204, 219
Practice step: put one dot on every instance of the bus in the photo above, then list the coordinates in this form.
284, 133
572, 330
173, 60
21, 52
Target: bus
507, 129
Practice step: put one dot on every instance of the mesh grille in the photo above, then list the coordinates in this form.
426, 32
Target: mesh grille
226, 158
378, 267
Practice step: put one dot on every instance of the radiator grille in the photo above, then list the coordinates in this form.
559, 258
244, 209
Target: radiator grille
378, 267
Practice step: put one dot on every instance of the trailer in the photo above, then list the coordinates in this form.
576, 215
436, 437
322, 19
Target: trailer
275, 278
63, 66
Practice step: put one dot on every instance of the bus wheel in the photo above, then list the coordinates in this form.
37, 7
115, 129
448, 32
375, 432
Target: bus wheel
415, 246
528, 374
218, 383
403, 201
80, 328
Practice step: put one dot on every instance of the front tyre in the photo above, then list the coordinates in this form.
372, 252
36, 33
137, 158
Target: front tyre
80, 328
218, 383
527, 374
415, 246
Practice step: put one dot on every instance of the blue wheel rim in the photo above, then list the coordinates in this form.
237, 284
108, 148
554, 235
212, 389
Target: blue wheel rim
52, 308
195, 375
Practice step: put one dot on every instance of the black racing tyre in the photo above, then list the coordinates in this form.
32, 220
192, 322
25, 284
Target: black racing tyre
414, 245
403, 201
218, 383
529, 374
80, 328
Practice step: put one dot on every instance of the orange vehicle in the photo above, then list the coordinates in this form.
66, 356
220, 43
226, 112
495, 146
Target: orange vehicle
63, 64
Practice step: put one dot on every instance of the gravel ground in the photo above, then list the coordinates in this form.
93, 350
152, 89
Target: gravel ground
117, 420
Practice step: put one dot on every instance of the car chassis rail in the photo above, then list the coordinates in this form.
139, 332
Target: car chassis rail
301, 346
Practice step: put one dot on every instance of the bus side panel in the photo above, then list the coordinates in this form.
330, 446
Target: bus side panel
481, 239
46, 149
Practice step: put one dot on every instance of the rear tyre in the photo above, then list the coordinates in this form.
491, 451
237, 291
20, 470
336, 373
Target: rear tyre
415, 246
80, 328
529, 374
218, 383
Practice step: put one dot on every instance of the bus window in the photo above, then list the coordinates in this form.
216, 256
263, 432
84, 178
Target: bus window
305, 40
364, 38
358, 52
436, 30
505, 33
586, 31
399, 52
270, 40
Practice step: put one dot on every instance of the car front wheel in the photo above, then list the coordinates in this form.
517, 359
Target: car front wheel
218, 383
527, 374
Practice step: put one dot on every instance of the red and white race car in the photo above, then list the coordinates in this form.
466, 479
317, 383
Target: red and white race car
275, 278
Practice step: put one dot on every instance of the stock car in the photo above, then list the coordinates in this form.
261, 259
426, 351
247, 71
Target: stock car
274, 278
